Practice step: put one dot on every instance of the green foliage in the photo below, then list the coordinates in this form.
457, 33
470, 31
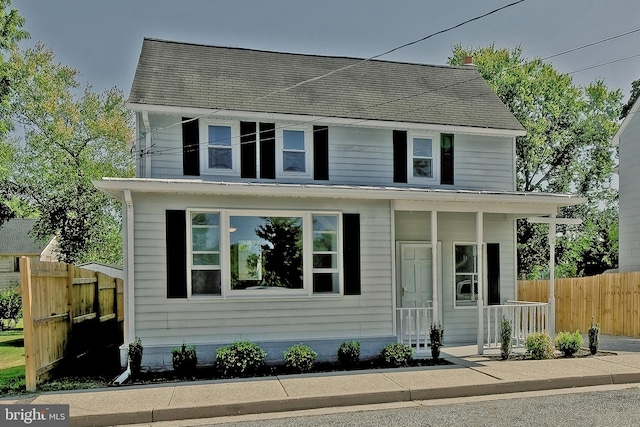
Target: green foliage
184, 359
506, 330
397, 354
539, 346
69, 141
283, 258
594, 336
300, 357
633, 97
349, 353
436, 339
566, 149
242, 358
569, 343
10, 307
135, 356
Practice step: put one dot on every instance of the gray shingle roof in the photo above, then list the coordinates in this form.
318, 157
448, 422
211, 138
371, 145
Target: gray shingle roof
189, 75
16, 239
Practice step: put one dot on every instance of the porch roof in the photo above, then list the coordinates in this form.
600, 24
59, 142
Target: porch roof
405, 198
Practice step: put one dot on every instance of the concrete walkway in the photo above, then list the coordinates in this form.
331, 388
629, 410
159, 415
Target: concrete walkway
470, 375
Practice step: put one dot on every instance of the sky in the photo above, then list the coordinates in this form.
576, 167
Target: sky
102, 39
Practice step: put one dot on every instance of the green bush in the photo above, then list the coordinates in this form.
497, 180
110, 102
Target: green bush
397, 354
505, 338
568, 343
594, 336
242, 358
135, 357
436, 339
539, 346
10, 307
349, 354
184, 359
300, 357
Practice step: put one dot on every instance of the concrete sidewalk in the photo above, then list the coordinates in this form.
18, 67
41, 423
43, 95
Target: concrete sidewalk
470, 375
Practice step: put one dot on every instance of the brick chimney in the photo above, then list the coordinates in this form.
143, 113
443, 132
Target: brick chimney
468, 60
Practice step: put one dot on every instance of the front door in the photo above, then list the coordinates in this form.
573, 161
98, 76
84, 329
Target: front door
416, 278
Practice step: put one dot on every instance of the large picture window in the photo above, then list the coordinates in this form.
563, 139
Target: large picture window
264, 253
466, 275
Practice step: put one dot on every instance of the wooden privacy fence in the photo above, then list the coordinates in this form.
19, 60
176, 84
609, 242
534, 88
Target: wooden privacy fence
68, 312
612, 299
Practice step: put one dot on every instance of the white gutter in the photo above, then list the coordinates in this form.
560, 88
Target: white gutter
129, 319
319, 120
116, 186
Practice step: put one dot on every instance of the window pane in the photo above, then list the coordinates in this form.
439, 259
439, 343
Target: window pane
205, 282
326, 283
220, 158
293, 161
325, 261
266, 252
327, 241
422, 147
220, 136
465, 259
205, 218
293, 139
325, 223
422, 168
206, 259
464, 291
205, 238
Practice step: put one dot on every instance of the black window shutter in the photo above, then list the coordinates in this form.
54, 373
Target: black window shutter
446, 159
247, 149
190, 147
399, 156
493, 273
268, 150
176, 240
321, 153
351, 253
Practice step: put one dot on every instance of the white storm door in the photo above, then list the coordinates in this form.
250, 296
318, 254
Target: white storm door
416, 275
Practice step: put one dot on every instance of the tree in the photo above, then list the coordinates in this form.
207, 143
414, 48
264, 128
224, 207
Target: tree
11, 32
635, 93
566, 148
70, 140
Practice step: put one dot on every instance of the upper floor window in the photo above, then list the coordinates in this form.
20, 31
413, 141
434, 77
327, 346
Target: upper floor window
422, 159
222, 148
294, 148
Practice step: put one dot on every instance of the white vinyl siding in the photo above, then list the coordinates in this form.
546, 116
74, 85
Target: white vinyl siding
159, 320
630, 196
357, 156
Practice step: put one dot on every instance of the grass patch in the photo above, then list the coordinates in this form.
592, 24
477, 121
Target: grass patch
12, 381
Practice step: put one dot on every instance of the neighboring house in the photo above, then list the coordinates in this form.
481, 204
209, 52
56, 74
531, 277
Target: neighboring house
288, 198
110, 270
16, 240
627, 139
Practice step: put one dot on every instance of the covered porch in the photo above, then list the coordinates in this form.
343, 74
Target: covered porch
456, 265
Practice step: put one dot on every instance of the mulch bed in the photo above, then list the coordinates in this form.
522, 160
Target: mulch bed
209, 373
583, 352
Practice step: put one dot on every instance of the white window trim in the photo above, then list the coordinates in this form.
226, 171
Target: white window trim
204, 147
189, 234
435, 151
308, 148
484, 275
307, 260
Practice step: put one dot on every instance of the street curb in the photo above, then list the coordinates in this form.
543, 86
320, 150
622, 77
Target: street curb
316, 402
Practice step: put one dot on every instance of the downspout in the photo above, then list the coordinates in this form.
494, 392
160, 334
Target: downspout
129, 329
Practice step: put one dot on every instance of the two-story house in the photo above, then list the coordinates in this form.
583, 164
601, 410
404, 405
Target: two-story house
288, 198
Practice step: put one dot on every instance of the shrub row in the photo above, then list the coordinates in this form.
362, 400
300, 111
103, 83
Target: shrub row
246, 358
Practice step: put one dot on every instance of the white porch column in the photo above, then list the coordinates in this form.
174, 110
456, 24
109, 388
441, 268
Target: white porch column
552, 277
480, 265
434, 266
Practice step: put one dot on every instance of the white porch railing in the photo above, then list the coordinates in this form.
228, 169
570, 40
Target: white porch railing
414, 325
526, 318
